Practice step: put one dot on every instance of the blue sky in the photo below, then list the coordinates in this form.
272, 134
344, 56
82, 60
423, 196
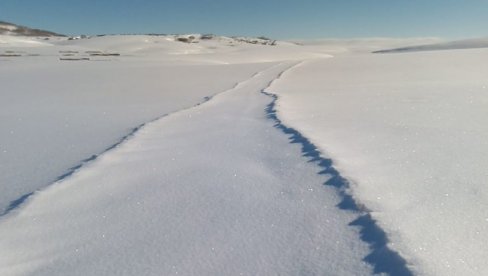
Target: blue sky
282, 19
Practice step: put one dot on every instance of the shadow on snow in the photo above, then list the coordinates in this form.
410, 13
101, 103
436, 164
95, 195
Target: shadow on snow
382, 258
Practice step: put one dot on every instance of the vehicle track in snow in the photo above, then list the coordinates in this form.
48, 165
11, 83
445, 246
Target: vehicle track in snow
267, 212
16, 203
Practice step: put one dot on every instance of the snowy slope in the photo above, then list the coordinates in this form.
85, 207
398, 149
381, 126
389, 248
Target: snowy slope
12, 29
367, 45
410, 131
449, 45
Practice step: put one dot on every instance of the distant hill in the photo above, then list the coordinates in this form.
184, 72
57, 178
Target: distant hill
458, 44
12, 29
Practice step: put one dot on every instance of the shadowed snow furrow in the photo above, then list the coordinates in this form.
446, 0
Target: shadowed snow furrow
382, 258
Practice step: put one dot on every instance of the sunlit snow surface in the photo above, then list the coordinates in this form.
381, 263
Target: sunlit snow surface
211, 186
56, 113
211, 190
411, 131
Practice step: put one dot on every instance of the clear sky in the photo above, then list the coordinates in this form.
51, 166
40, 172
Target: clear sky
281, 19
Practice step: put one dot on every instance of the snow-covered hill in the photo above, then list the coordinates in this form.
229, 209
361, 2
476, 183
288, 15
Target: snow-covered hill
450, 45
12, 29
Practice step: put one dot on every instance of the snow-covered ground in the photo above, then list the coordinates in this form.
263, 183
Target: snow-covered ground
411, 132
220, 185
57, 113
164, 203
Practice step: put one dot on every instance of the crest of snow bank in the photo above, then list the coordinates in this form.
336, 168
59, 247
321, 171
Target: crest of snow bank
451, 45
365, 45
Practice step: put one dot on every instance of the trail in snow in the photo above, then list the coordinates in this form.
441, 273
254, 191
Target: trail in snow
66, 112
18, 201
212, 190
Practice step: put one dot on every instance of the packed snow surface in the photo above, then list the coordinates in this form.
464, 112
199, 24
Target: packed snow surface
130, 155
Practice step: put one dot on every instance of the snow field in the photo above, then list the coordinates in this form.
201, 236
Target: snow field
55, 114
409, 131
213, 189
218, 188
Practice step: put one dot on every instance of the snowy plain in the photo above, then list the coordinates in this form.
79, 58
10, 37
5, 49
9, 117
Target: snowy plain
212, 182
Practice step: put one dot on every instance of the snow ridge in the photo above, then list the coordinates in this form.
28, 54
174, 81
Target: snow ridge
451, 45
382, 258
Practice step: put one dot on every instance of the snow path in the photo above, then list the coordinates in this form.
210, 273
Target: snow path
212, 190
77, 109
18, 201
